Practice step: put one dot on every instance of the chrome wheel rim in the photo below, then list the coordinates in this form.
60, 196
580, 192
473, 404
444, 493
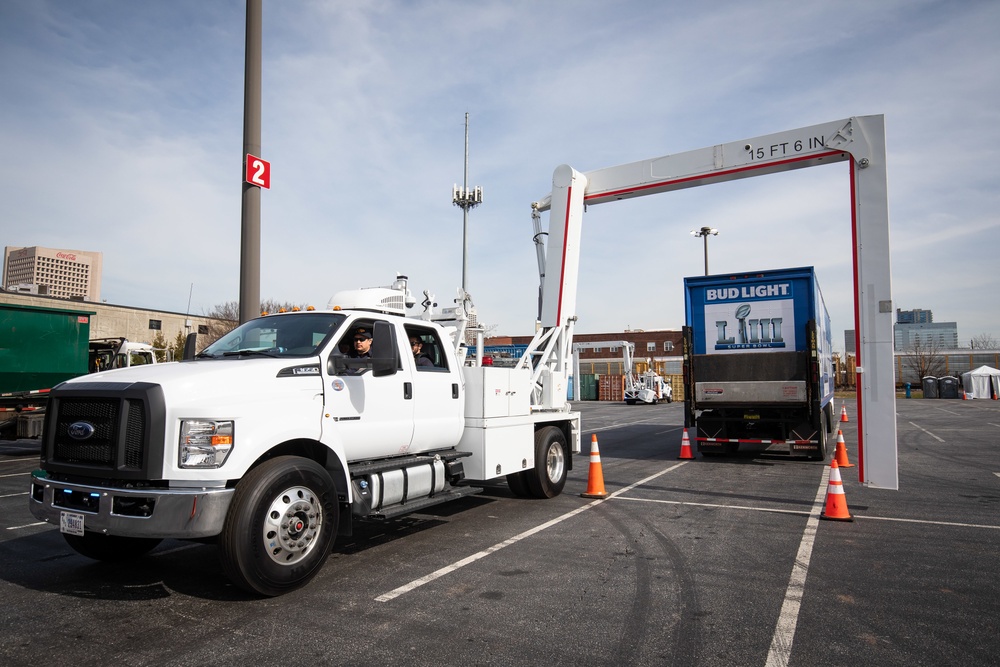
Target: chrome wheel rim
555, 463
292, 524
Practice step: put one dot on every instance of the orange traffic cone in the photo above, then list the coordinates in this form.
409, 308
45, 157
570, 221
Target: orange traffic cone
836, 501
843, 413
686, 447
595, 481
841, 454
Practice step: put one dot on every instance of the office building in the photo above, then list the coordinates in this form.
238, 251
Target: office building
64, 274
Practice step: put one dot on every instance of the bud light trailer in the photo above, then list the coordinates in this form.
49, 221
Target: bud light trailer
758, 363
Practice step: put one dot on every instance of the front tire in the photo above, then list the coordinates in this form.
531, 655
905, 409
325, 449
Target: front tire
551, 463
110, 548
280, 526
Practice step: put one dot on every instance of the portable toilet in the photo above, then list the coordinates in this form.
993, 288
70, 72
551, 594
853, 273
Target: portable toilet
930, 385
948, 387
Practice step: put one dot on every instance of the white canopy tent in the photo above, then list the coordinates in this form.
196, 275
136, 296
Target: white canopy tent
982, 382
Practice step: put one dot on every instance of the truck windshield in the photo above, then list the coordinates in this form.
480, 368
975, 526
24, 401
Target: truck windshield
299, 334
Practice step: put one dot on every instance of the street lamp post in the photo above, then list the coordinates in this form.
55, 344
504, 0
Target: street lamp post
704, 233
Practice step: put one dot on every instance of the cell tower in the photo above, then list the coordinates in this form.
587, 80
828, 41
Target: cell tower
466, 198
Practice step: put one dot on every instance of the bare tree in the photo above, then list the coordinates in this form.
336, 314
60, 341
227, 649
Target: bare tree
921, 359
226, 317
983, 341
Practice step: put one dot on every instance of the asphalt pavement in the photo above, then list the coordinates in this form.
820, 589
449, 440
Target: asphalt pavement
719, 561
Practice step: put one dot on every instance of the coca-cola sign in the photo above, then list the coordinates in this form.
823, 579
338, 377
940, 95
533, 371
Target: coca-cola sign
66, 255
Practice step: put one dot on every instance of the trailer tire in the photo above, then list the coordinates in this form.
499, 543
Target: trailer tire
518, 483
260, 552
110, 548
549, 475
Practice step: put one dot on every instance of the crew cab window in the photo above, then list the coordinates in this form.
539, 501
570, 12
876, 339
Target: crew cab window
430, 348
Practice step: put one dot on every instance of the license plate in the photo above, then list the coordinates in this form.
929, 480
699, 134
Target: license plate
71, 523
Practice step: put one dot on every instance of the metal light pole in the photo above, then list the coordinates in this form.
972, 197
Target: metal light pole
466, 198
250, 237
704, 233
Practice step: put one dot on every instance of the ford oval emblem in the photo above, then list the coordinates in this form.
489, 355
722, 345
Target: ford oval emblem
81, 430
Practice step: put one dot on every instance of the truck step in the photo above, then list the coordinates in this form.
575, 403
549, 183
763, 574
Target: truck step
411, 506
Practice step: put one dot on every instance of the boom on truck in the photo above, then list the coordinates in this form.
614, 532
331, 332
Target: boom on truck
193, 449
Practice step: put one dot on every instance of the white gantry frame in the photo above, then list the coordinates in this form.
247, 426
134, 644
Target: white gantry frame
860, 141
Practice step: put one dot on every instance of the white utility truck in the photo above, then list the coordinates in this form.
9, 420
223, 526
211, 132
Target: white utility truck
275, 437
648, 387
645, 387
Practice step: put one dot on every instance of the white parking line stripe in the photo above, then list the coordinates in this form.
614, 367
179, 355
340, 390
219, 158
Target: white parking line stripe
727, 507
933, 523
448, 569
14, 495
34, 458
16, 474
809, 513
788, 618
927, 432
29, 525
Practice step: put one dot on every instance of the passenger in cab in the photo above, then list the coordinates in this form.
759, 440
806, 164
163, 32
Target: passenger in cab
420, 358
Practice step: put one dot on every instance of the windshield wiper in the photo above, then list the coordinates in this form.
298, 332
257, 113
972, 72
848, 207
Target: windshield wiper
249, 353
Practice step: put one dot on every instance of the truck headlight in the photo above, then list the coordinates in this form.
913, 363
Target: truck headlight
204, 443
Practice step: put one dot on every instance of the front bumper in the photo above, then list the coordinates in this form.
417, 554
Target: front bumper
158, 513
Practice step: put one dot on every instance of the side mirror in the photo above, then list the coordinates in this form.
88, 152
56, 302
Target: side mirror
385, 357
190, 345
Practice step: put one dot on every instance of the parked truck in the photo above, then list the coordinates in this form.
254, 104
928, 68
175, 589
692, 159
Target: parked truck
275, 438
41, 347
758, 363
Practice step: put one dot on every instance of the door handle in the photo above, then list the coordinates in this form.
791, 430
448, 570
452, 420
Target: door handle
407, 391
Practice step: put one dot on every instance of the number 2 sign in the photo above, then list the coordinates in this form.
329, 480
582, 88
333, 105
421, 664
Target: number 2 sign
258, 171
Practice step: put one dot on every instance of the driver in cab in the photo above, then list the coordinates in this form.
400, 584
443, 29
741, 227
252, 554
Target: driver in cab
361, 343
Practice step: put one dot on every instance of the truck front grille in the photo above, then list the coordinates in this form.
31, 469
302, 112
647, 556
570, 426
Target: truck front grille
105, 429
101, 448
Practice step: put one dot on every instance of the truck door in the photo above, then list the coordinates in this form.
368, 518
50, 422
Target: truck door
372, 413
437, 401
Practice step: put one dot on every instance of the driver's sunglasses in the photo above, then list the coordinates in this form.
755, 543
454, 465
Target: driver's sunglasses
415, 342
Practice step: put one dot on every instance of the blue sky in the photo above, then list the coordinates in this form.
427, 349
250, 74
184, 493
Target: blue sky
121, 129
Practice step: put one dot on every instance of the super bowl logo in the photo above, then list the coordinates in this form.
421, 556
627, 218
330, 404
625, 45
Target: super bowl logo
761, 332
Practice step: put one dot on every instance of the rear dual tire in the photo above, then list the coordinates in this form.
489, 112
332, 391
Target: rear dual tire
548, 477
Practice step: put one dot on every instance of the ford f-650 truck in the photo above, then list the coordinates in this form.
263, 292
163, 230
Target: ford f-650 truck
278, 434
758, 364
